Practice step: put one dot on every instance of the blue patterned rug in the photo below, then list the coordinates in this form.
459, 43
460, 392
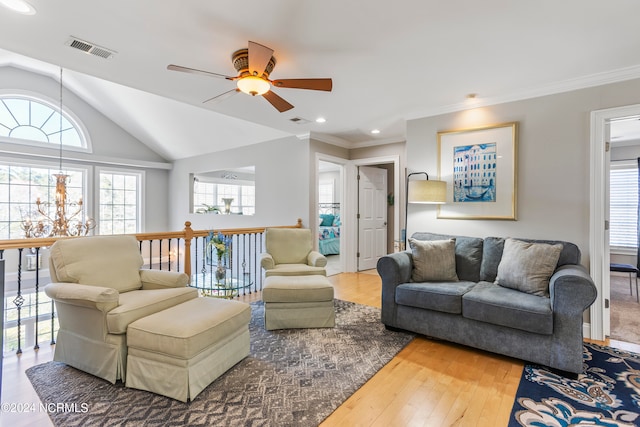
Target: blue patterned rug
607, 393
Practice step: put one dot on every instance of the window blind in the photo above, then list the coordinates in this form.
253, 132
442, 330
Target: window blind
623, 199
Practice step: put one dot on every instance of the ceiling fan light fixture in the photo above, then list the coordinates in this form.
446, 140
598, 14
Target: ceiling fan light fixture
253, 85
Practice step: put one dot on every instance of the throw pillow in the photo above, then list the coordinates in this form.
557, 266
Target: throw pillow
327, 220
433, 260
528, 266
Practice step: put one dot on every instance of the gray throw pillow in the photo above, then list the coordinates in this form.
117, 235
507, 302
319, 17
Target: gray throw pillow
433, 260
528, 266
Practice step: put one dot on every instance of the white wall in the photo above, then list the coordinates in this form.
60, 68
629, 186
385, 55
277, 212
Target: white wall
282, 183
553, 158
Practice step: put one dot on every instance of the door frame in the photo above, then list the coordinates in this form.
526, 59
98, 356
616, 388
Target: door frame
599, 180
352, 203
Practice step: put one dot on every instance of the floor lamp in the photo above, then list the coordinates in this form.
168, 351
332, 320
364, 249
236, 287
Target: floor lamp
422, 191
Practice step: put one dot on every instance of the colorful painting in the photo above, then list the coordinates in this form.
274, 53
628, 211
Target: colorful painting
479, 166
474, 173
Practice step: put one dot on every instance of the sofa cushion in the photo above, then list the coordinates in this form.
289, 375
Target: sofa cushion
492, 254
135, 305
527, 266
433, 260
468, 254
491, 303
107, 261
438, 296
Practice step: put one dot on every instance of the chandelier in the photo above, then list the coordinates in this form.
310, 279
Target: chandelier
67, 219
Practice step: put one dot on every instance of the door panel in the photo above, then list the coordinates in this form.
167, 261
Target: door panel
372, 222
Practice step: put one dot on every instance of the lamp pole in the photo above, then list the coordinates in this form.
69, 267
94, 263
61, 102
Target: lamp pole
406, 205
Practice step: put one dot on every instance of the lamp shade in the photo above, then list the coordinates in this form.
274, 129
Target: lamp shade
426, 191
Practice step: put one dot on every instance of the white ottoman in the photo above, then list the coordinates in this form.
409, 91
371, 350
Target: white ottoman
298, 302
179, 351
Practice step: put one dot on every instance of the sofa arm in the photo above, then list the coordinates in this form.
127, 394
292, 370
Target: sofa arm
571, 289
162, 279
316, 259
266, 261
394, 269
96, 297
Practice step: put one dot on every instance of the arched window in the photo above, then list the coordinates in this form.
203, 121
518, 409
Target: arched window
27, 118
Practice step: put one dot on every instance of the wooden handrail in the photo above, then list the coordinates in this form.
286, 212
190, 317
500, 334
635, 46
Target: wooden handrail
187, 234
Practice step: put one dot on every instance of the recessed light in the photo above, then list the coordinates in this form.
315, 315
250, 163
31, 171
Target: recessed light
375, 131
321, 120
19, 6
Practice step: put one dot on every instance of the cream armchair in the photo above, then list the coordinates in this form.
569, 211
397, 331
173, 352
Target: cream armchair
289, 252
99, 288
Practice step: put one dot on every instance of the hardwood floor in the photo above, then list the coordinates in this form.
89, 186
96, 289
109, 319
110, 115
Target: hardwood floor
429, 383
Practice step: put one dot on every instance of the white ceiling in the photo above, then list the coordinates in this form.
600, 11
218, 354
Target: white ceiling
389, 61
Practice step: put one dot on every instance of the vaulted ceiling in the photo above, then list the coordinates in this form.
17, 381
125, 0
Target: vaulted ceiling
389, 61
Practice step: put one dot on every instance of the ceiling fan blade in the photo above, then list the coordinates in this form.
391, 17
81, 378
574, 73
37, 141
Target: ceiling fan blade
279, 103
173, 67
223, 95
312, 84
259, 57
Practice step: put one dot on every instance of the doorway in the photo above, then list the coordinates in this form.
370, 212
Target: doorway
330, 214
600, 256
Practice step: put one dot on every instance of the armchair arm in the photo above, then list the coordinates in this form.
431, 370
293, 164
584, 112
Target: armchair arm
162, 279
266, 261
316, 259
96, 297
572, 290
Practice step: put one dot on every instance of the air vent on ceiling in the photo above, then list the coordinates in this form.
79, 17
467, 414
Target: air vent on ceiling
299, 120
90, 48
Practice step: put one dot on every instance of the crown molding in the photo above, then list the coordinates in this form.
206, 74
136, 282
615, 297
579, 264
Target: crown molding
583, 82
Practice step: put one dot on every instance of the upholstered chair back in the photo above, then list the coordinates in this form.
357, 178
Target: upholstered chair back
289, 245
108, 261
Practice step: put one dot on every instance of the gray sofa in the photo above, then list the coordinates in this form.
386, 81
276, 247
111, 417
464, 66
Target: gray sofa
476, 311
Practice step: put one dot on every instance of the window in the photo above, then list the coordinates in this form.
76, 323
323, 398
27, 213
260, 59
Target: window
26, 118
22, 185
208, 196
119, 202
325, 191
623, 211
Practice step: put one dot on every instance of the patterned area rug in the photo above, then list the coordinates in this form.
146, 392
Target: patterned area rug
606, 394
292, 377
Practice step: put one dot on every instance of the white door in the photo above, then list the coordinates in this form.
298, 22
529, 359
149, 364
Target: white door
606, 285
372, 216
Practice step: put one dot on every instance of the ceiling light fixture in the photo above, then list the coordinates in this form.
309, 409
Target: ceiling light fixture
62, 217
253, 85
375, 131
19, 6
321, 120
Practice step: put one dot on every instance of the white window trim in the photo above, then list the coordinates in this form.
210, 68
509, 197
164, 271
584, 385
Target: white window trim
55, 105
141, 192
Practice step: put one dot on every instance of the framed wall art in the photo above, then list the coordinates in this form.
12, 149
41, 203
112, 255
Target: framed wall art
479, 166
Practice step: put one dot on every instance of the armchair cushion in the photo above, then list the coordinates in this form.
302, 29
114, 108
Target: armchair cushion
98, 297
159, 279
289, 245
135, 305
76, 260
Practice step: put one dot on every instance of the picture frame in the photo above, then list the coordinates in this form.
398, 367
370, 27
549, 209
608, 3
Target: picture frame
479, 166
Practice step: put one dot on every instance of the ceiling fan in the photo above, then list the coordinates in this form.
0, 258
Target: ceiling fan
254, 65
